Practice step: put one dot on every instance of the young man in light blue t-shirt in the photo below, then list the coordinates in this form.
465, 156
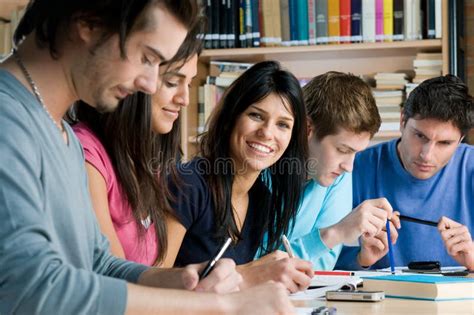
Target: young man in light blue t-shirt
342, 118
426, 174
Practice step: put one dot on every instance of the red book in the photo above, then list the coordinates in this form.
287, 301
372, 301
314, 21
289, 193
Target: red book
332, 273
345, 20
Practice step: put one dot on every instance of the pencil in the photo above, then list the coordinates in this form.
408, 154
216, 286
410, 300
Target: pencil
287, 246
390, 248
419, 221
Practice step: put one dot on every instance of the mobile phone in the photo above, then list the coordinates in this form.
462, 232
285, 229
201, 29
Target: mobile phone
424, 266
359, 295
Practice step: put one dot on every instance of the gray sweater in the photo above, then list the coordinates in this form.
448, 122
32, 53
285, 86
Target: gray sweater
53, 258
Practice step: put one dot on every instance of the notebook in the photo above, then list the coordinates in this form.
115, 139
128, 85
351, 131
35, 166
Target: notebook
422, 287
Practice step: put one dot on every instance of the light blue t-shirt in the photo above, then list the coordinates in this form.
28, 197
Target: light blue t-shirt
53, 258
378, 172
321, 207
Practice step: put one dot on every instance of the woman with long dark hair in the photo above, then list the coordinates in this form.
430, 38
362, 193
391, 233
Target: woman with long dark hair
129, 154
248, 180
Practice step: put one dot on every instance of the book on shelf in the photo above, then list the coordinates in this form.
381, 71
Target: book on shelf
368, 21
422, 287
223, 81
322, 22
345, 21
220, 68
356, 21
398, 20
438, 19
201, 110
312, 22
285, 23
389, 126
333, 22
379, 35
388, 20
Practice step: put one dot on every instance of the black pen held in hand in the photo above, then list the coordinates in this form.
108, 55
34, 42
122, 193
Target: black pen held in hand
213, 261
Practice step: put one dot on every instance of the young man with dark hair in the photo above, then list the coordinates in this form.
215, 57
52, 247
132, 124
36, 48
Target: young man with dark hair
53, 258
342, 118
426, 174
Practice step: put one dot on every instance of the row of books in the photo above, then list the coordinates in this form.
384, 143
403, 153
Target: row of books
7, 28
254, 23
390, 90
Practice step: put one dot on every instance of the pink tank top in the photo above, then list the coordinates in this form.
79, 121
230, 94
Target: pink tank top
144, 250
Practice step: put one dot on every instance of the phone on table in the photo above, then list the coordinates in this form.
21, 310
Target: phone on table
358, 295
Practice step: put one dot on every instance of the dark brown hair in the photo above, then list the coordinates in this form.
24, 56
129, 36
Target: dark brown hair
339, 100
142, 159
280, 196
445, 98
50, 17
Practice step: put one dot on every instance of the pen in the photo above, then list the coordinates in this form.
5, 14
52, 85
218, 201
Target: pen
287, 246
390, 248
332, 273
212, 262
419, 221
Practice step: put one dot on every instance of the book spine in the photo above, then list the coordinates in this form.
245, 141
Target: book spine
201, 123
242, 31
333, 21
438, 19
322, 22
417, 16
356, 21
255, 24
368, 21
388, 20
248, 23
276, 21
236, 17
292, 7
230, 24
223, 24
215, 23
302, 22
398, 22
209, 34
268, 23
312, 22
285, 23
431, 16
345, 21
379, 35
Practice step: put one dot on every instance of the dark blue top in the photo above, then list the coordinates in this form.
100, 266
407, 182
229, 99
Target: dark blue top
378, 172
195, 210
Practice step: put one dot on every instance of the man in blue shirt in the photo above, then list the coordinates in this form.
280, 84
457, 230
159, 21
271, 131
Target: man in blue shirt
427, 174
53, 258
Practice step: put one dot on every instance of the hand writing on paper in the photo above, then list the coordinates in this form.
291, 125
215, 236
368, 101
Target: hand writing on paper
294, 273
458, 241
373, 248
223, 278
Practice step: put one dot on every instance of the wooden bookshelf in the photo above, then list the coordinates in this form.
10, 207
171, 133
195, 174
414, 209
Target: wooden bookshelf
308, 61
7, 6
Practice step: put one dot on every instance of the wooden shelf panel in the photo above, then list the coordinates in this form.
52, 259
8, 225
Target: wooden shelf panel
7, 6
244, 54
